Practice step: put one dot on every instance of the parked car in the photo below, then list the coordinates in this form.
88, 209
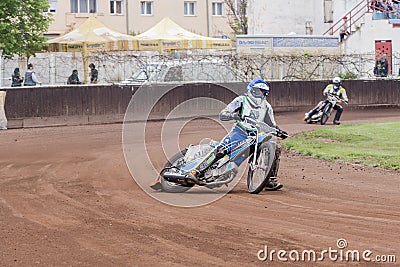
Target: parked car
184, 71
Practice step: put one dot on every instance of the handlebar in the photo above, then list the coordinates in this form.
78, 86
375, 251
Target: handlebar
337, 98
332, 95
263, 127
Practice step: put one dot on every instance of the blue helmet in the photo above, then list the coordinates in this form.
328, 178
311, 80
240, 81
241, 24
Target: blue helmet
257, 90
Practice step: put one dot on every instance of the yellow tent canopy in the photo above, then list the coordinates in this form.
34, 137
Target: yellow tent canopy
92, 35
167, 35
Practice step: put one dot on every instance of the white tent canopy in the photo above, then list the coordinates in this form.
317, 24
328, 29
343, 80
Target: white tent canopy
167, 35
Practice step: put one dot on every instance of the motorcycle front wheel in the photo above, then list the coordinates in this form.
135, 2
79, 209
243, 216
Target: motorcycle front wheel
171, 187
258, 175
326, 113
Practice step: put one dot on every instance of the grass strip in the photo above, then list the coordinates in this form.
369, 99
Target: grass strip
373, 144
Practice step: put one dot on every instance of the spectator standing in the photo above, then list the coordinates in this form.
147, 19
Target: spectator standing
73, 78
389, 9
176, 56
343, 34
344, 31
377, 5
385, 67
384, 4
16, 78
30, 77
381, 67
94, 74
3, 118
396, 9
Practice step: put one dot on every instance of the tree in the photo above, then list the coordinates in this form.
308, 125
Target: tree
22, 24
237, 15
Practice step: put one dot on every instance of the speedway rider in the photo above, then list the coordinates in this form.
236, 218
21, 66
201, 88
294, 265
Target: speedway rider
252, 104
335, 88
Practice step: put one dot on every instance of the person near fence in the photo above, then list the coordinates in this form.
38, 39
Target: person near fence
16, 78
73, 78
389, 9
3, 118
396, 9
377, 5
381, 67
334, 88
30, 77
94, 74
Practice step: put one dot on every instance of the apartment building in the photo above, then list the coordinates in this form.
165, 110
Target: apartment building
316, 17
204, 17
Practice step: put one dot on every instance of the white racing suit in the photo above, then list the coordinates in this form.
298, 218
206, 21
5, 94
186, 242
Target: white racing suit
243, 106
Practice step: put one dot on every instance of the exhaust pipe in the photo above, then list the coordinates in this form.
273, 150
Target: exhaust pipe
175, 177
219, 183
183, 180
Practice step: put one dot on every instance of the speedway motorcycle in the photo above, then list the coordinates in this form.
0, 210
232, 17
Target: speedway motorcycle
324, 110
258, 147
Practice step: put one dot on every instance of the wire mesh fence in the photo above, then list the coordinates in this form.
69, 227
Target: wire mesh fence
116, 67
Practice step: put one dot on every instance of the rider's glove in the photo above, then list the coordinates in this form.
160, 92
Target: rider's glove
236, 117
281, 133
227, 116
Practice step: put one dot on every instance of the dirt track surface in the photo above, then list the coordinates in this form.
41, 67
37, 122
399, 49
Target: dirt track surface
68, 199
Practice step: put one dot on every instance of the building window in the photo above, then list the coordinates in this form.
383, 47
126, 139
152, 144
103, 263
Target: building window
190, 8
83, 6
328, 11
217, 9
116, 7
146, 7
52, 8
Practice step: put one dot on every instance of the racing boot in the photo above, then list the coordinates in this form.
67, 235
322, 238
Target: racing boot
273, 184
306, 116
156, 185
310, 114
338, 114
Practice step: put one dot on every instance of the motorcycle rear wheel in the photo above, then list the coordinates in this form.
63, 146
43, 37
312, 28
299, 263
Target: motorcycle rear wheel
171, 187
326, 113
258, 178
